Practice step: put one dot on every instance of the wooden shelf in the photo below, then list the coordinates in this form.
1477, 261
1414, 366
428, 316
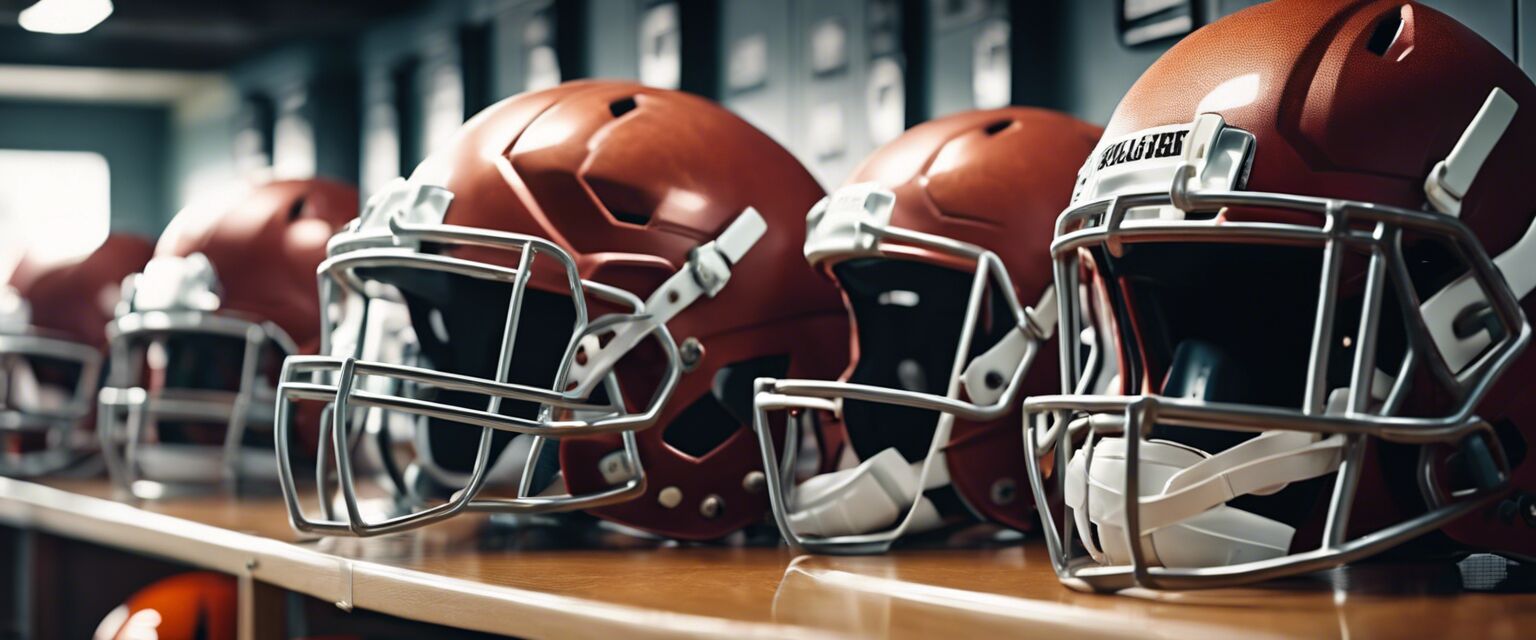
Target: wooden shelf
465, 574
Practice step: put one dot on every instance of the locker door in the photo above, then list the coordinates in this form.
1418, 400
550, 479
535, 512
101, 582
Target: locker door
969, 55
758, 73
834, 134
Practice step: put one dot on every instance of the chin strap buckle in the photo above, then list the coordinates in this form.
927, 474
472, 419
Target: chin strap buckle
1452, 177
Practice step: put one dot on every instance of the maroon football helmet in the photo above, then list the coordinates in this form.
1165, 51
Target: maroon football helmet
566, 306
934, 242
53, 323
1312, 222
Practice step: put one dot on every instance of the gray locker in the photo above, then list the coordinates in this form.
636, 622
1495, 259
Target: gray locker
758, 74
526, 49
969, 55
832, 135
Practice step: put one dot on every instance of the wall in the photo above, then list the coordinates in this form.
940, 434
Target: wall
132, 138
370, 97
1096, 70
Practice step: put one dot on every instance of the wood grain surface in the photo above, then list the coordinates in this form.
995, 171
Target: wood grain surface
549, 582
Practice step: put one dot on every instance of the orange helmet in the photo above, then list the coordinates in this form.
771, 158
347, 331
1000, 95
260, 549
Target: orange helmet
934, 242
189, 606
53, 319
541, 271
1313, 224
200, 335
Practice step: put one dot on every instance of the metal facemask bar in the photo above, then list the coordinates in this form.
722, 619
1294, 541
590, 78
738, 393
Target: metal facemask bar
20, 344
177, 298
854, 221
390, 234
1202, 181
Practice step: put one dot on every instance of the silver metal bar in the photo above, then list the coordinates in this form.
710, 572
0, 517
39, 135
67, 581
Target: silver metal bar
1315, 400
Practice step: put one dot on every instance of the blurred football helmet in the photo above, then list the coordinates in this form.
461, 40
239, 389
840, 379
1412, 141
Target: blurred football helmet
189, 606
53, 319
201, 333
543, 263
1312, 223
933, 243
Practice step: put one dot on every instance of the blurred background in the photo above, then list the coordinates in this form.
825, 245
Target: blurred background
115, 114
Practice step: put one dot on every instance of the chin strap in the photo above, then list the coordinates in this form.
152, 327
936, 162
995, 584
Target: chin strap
866, 498
707, 272
1451, 178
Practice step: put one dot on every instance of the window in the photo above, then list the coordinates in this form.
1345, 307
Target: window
54, 204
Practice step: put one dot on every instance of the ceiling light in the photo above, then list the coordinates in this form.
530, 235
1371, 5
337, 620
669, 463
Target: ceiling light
65, 16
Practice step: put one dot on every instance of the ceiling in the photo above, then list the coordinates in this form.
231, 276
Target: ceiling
188, 34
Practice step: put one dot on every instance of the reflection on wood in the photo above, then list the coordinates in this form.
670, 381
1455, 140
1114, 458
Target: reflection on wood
468, 573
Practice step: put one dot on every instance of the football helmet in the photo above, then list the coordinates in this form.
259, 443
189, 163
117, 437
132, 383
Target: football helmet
543, 263
53, 319
1311, 222
189, 606
934, 243
201, 332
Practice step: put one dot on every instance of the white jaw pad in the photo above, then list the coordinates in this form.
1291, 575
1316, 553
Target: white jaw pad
1209, 537
865, 499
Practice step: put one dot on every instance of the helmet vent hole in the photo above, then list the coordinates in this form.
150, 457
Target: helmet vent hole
1385, 34
296, 210
630, 217
998, 127
622, 106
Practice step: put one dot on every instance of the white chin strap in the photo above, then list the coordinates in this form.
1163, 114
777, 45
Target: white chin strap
869, 497
1184, 517
708, 270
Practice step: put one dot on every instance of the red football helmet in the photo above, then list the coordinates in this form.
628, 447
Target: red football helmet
202, 331
53, 319
934, 242
189, 606
1312, 225
527, 283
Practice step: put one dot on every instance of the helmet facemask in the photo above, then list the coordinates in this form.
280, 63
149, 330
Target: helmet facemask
187, 405
482, 391
919, 367
47, 385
